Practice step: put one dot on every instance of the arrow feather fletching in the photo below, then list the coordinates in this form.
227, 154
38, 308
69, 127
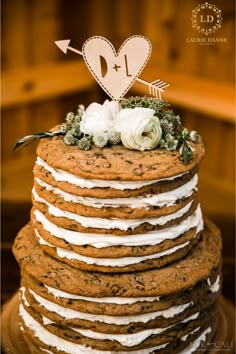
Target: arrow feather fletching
156, 87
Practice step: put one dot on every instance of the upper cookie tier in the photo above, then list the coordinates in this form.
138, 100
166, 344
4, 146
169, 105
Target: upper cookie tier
116, 162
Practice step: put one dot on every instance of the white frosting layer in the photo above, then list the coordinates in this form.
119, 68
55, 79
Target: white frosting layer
162, 199
128, 340
112, 223
194, 345
68, 347
108, 262
63, 176
215, 286
117, 320
107, 300
23, 296
107, 240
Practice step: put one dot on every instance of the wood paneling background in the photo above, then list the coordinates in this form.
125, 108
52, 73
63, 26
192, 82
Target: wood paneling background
40, 84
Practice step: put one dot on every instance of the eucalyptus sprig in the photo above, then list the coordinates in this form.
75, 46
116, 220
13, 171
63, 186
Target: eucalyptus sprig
28, 139
185, 149
70, 130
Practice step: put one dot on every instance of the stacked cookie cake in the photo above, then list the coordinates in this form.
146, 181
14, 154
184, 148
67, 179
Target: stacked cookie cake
117, 257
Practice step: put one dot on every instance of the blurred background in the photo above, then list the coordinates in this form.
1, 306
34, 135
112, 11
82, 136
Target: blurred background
40, 84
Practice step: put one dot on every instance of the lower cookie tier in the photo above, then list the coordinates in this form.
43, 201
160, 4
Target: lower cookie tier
14, 342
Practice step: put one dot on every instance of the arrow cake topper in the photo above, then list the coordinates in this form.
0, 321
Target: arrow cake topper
115, 71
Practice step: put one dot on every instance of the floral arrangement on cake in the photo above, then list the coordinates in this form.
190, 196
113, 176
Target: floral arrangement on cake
139, 123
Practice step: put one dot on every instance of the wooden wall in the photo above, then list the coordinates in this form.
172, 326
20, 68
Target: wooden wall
40, 83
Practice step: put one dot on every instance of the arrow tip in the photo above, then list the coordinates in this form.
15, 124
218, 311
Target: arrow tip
63, 45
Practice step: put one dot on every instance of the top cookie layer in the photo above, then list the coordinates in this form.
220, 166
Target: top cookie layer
116, 162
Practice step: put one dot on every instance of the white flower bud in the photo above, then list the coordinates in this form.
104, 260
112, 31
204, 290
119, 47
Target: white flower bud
97, 118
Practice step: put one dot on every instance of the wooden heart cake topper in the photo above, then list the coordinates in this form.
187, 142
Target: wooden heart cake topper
115, 71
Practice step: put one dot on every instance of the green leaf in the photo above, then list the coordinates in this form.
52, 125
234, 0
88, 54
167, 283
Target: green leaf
186, 152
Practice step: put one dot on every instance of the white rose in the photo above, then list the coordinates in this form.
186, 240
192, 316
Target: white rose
139, 128
98, 118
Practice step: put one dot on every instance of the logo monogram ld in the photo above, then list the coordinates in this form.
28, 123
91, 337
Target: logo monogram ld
206, 18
